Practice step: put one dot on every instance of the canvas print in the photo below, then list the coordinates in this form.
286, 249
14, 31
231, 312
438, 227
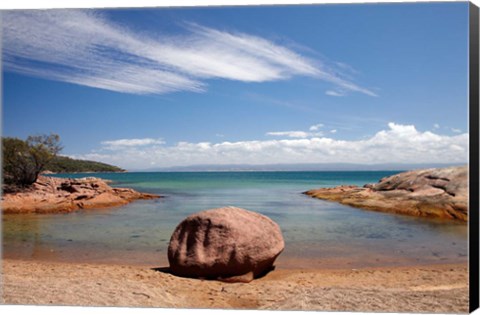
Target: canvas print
296, 157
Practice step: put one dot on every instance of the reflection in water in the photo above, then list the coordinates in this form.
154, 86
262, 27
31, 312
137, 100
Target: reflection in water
317, 233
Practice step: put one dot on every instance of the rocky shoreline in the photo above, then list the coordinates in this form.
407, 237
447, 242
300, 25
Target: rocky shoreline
434, 193
63, 195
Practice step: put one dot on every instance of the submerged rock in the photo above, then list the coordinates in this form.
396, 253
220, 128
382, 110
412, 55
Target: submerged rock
229, 244
436, 193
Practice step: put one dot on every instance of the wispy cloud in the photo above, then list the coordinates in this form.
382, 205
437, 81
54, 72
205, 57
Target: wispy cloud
123, 143
396, 144
335, 93
314, 132
84, 47
290, 134
315, 127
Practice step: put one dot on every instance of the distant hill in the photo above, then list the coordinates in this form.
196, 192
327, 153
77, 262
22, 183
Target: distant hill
63, 164
297, 167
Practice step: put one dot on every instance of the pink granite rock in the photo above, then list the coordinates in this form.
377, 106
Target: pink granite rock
434, 193
62, 195
229, 243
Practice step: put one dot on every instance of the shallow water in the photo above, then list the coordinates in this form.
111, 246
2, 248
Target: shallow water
317, 233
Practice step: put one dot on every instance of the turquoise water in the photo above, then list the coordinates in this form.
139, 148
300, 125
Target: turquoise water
317, 233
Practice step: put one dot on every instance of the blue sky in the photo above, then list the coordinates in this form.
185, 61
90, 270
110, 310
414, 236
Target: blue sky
145, 88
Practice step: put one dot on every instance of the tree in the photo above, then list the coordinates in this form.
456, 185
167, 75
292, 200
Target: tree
23, 161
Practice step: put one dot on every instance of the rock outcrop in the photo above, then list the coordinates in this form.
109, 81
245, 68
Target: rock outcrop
229, 244
62, 195
436, 193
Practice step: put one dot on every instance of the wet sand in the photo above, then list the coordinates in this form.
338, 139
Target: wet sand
427, 288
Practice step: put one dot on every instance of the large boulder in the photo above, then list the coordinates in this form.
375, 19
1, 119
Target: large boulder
229, 243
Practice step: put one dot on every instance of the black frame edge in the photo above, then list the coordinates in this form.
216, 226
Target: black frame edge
473, 220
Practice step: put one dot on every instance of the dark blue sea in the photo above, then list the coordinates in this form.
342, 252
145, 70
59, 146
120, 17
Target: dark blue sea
317, 233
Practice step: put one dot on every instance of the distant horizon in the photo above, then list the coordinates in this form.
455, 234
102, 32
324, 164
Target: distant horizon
300, 167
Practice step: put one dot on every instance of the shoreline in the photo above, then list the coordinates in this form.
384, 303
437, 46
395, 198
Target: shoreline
284, 262
422, 288
440, 193
80, 278
64, 195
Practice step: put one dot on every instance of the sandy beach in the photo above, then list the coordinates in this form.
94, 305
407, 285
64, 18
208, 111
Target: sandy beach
430, 288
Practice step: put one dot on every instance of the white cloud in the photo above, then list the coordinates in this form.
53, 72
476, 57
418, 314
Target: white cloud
315, 127
397, 144
333, 131
436, 126
314, 132
456, 130
334, 93
122, 143
84, 47
290, 134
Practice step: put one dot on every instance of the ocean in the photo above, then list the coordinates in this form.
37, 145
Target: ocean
318, 234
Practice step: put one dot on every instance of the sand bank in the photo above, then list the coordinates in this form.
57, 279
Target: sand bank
432, 288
